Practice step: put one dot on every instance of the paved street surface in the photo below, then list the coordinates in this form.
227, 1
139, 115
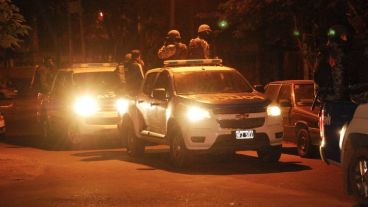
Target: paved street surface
102, 174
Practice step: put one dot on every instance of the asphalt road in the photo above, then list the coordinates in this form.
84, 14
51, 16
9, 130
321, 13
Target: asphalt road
102, 174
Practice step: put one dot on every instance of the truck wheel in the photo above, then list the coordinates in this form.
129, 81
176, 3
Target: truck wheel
72, 136
179, 155
135, 146
269, 154
358, 175
123, 133
304, 143
45, 129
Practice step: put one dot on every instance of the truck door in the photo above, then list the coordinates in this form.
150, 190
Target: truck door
285, 96
144, 99
159, 107
57, 106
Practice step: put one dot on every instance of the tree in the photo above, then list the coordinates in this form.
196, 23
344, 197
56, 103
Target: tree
288, 23
12, 25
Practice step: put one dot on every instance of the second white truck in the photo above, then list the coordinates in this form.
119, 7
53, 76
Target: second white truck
200, 106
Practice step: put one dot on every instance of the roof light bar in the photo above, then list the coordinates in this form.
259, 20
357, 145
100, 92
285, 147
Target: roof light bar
192, 62
86, 65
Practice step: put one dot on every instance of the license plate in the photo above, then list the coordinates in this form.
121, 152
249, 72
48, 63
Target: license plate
244, 134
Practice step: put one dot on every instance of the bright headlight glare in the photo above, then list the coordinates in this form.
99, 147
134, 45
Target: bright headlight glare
85, 106
196, 114
273, 111
122, 106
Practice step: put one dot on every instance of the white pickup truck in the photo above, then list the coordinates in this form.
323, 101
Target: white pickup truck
200, 106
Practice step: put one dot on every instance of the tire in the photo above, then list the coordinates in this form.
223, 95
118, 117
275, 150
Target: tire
269, 154
358, 175
73, 135
49, 136
179, 155
123, 133
45, 130
304, 143
135, 146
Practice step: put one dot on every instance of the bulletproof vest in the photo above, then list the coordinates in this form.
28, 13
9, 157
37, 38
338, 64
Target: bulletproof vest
181, 52
196, 49
322, 75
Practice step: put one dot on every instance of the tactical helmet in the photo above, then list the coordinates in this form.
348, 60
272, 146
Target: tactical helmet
173, 34
135, 54
203, 28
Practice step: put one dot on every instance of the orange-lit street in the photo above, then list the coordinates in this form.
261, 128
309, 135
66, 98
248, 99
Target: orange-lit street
102, 174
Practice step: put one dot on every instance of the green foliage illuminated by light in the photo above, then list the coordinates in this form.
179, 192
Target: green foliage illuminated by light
223, 24
331, 33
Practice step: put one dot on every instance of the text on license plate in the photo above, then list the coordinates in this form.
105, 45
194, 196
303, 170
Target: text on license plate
244, 134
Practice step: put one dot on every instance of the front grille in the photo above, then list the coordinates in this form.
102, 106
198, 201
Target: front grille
239, 110
102, 121
241, 123
107, 105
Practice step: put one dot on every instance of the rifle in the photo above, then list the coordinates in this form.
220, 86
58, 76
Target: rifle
315, 100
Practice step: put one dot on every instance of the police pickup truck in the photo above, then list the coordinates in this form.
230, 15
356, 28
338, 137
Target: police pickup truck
199, 106
82, 101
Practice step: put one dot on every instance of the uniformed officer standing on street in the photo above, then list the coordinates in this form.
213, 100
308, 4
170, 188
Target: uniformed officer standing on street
134, 72
43, 76
332, 83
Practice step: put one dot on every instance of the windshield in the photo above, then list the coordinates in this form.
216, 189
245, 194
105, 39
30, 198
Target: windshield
304, 94
97, 80
207, 82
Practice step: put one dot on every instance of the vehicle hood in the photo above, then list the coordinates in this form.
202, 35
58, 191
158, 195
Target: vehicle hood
99, 94
228, 98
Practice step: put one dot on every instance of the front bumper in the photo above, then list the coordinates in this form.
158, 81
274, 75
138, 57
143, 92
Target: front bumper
100, 123
212, 136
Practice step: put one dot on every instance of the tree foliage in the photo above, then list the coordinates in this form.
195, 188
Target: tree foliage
12, 25
298, 24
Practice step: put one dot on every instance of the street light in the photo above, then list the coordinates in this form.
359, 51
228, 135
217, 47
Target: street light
100, 16
223, 24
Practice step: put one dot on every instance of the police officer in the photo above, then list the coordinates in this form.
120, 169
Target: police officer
173, 49
338, 45
134, 73
199, 47
43, 76
331, 80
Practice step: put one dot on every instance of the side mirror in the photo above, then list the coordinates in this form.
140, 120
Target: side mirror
285, 103
159, 93
259, 88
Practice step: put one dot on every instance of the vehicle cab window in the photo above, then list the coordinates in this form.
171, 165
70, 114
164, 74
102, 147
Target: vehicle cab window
272, 90
149, 83
62, 84
285, 93
304, 94
163, 81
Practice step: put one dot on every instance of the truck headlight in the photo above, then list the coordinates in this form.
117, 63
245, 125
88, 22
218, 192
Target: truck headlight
273, 111
195, 114
85, 106
121, 106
